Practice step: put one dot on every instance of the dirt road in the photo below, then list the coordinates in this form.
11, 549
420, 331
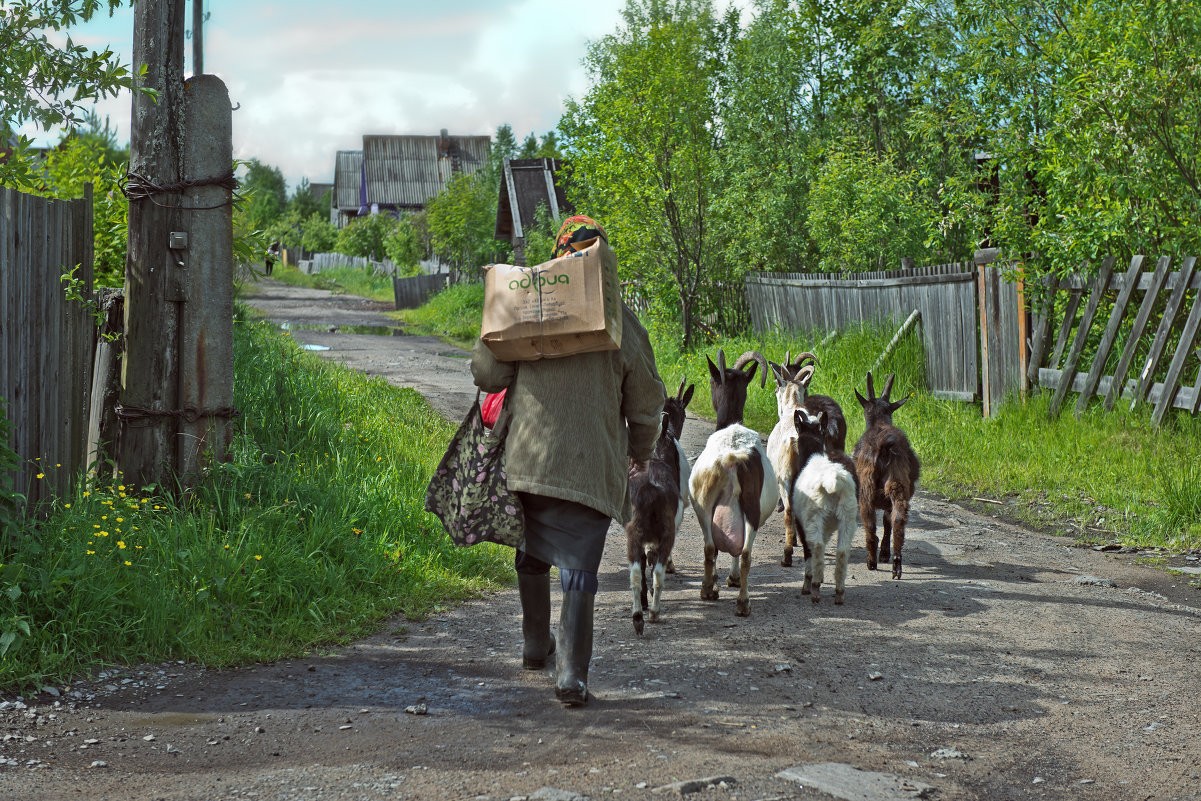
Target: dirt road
1006, 664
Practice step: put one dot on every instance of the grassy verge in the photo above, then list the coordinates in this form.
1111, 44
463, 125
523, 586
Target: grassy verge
453, 314
311, 534
341, 281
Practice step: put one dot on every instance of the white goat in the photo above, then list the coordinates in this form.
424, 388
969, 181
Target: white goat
824, 501
733, 485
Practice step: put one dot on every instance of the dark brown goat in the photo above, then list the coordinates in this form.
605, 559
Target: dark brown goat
888, 470
658, 493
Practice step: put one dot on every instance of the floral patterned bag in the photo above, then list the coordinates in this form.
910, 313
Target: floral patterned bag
468, 491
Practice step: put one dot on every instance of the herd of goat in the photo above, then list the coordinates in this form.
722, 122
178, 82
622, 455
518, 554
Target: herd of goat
736, 483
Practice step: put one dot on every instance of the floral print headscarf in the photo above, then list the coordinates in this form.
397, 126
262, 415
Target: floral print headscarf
574, 231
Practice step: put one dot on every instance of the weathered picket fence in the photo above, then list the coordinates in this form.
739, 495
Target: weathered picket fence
318, 262
1164, 295
415, 290
46, 340
970, 327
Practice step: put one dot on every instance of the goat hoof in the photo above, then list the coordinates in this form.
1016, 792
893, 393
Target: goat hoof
708, 593
896, 570
670, 567
638, 624
871, 564
816, 598
733, 581
742, 608
838, 599
786, 561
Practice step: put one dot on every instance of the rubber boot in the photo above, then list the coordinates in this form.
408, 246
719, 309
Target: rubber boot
575, 648
535, 620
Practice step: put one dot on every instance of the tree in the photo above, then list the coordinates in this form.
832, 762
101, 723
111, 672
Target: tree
504, 146
529, 147
405, 246
265, 192
46, 85
462, 221
366, 236
644, 143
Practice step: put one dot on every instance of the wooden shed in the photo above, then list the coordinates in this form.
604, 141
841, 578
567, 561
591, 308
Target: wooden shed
526, 185
402, 173
348, 180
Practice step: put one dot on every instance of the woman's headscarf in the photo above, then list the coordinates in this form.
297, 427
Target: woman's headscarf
575, 230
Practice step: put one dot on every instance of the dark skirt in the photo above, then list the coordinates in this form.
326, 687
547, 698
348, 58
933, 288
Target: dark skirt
564, 533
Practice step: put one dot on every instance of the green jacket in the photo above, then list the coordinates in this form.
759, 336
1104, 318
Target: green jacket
575, 422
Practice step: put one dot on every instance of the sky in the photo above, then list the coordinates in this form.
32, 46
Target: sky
310, 78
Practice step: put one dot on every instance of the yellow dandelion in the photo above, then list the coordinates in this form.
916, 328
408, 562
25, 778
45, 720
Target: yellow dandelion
257, 558
41, 475
121, 544
91, 552
120, 486
86, 494
57, 465
120, 519
66, 506
128, 562
247, 496
227, 547
104, 517
357, 530
95, 525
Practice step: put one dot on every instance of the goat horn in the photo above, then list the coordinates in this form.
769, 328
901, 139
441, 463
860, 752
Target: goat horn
754, 356
721, 364
788, 358
805, 375
871, 392
680, 391
802, 358
887, 387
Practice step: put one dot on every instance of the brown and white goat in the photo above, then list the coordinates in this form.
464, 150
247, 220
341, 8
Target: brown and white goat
888, 471
658, 492
792, 393
824, 502
733, 485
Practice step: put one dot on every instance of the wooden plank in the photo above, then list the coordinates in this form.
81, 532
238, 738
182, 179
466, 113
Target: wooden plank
1065, 328
1076, 281
1042, 330
1136, 330
1090, 311
1183, 348
1111, 333
1023, 324
986, 341
1184, 396
864, 283
1162, 333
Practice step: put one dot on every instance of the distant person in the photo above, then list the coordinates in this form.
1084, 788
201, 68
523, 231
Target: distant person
270, 257
576, 424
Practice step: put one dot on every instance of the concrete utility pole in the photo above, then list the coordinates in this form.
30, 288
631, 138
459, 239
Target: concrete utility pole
176, 383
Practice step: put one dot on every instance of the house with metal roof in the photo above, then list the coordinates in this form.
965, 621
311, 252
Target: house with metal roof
528, 184
348, 180
402, 173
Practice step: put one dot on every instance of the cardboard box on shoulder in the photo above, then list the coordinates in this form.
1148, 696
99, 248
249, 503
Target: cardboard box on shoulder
559, 308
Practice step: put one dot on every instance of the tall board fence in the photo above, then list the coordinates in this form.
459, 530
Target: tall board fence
972, 348
46, 340
1072, 308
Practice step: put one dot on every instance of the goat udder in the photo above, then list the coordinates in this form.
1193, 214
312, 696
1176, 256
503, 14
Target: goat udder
729, 528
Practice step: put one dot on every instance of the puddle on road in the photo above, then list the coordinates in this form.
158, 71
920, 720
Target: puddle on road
373, 330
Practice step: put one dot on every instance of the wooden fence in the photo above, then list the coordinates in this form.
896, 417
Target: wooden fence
945, 296
1165, 294
46, 340
326, 261
413, 291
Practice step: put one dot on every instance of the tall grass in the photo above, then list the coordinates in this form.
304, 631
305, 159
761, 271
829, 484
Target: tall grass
453, 314
310, 534
341, 281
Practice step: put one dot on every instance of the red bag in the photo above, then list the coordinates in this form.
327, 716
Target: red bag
490, 408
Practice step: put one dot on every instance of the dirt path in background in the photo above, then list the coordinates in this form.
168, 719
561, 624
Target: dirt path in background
1007, 664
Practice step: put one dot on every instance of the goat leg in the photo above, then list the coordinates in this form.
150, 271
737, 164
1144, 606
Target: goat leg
789, 536
709, 584
900, 518
867, 513
743, 607
657, 594
637, 591
807, 585
817, 558
886, 539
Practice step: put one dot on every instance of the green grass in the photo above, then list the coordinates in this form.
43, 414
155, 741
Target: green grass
311, 534
453, 314
341, 281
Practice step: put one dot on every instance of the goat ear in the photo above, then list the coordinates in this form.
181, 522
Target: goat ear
750, 371
721, 362
680, 391
887, 387
892, 407
687, 396
823, 419
798, 420
864, 402
871, 392
777, 372
715, 372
